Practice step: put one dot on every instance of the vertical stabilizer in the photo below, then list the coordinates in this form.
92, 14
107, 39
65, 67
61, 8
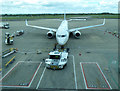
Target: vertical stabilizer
64, 16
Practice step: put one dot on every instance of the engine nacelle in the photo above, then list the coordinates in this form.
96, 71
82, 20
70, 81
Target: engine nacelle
77, 34
50, 34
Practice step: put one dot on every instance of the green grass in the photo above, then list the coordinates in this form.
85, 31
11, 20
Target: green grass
105, 16
31, 17
22, 17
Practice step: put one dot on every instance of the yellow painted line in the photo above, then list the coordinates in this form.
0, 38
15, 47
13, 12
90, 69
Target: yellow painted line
9, 61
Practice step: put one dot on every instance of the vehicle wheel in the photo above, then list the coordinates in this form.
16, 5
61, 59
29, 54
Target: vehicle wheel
47, 67
64, 66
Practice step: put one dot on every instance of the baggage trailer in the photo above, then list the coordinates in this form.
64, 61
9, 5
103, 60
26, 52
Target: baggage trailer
8, 52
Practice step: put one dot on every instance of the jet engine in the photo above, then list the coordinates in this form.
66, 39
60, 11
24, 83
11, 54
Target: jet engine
50, 34
77, 34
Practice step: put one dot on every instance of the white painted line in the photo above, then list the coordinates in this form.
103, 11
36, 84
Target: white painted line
74, 72
9, 71
21, 61
34, 75
89, 62
33, 61
101, 73
30, 61
104, 76
41, 78
83, 75
26, 52
16, 86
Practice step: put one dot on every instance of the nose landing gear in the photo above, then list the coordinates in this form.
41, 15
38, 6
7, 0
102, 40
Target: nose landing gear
56, 47
62, 47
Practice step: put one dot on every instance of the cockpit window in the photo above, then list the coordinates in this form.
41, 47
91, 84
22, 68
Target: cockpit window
61, 35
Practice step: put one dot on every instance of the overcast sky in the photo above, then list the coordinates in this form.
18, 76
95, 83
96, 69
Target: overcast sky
58, 6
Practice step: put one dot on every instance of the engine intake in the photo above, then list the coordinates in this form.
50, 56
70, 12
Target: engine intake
50, 34
77, 34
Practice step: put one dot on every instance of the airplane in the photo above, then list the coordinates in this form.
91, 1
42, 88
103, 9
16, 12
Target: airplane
62, 33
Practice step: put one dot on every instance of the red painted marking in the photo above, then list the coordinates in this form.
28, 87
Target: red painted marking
9, 72
84, 76
18, 85
14, 85
97, 88
86, 80
33, 74
103, 76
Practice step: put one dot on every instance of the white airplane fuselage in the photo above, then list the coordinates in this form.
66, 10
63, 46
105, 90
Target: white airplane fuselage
62, 34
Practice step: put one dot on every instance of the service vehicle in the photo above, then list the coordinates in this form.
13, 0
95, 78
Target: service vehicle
4, 25
57, 59
20, 32
8, 39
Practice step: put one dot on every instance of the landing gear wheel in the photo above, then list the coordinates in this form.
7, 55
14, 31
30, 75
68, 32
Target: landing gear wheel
62, 47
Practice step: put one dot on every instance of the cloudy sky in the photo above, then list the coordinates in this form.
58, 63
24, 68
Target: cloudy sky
58, 6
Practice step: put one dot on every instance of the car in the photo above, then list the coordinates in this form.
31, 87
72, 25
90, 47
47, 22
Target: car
20, 32
4, 25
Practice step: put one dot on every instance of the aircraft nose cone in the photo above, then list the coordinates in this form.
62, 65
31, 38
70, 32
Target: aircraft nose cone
60, 42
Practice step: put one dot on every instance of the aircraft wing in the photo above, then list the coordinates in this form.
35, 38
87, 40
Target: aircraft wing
45, 28
76, 29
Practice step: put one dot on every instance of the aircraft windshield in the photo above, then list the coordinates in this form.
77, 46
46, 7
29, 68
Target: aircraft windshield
61, 35
54, 56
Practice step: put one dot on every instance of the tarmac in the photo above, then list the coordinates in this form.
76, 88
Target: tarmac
92, 62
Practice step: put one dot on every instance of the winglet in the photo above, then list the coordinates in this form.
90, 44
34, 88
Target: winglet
104, 22
26, 22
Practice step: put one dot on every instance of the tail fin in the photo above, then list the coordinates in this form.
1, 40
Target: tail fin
26, 22
64, 16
